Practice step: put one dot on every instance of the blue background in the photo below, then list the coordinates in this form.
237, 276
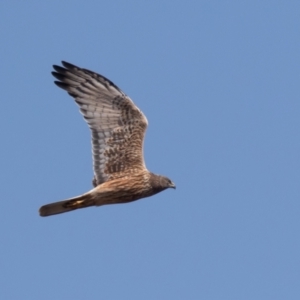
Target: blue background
219, 84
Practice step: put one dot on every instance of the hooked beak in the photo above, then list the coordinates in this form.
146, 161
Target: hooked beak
172, 185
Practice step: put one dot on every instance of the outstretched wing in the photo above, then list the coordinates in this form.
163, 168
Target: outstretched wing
118, 126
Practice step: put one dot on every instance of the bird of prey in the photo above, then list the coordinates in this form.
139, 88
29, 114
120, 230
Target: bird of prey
118, 128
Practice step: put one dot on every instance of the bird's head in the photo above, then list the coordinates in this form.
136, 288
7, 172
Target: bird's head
166, 183
160, 183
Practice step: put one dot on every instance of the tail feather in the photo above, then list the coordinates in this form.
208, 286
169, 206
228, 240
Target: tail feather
66, 205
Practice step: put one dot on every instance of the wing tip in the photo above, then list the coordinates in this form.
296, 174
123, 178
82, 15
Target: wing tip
61, 84
68, 65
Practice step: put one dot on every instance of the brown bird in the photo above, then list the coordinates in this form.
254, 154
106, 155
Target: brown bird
118, 129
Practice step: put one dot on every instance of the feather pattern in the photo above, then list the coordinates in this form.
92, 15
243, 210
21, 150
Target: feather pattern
117, 124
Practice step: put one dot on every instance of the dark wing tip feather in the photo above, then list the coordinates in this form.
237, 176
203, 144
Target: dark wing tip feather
62, 71
59, 69
68, 65
59, 76
62, 85
74, 69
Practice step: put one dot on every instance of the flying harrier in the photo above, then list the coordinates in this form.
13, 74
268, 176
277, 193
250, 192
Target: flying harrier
118, 129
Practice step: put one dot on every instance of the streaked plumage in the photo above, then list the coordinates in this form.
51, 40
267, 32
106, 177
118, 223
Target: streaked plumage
118, 129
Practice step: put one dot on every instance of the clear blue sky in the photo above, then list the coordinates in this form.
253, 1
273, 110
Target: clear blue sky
219, 84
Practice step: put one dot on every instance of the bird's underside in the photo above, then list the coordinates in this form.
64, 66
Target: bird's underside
118, 128
110, 192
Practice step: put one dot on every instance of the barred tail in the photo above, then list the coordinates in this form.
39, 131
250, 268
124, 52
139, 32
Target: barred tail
66, 205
